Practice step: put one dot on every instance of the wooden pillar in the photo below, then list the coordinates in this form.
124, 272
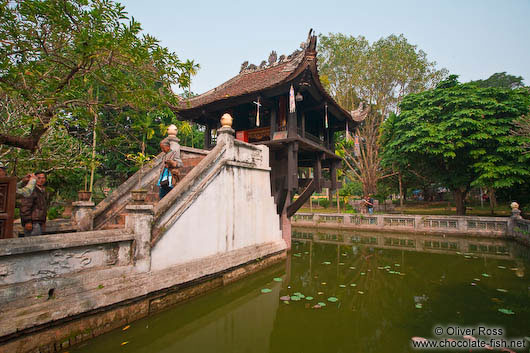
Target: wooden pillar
274, 124
208, 136
292, 166
333, 175
303, 124
317, 173
331, 142
292, 125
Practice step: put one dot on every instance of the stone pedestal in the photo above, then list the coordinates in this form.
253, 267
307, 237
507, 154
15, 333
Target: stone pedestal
139, 221
83, 215
225, 134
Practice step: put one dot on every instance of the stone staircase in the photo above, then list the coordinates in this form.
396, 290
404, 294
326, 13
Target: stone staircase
190, 158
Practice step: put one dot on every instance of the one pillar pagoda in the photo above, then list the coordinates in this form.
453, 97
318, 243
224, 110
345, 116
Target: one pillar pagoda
282, 104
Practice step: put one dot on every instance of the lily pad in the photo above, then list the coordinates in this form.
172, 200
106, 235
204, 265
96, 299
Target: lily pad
380, 268
476, 279
344, 254
467, 256
295, 298
297, 255
341, 263
266, 290
352, 267
362, 273
342, 286
277, 279
286, 302
320, 293
473, 284
326, 263
300, 295
360, 292
397, 265
322, 304
502, 290
353, 285
501, 267
323, 283
485, 275
332, 299
308, 298
419, 306
285, 297
506, 311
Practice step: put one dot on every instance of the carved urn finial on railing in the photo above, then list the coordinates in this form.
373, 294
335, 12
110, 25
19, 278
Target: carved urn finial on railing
172, 130
516, 212
226, 120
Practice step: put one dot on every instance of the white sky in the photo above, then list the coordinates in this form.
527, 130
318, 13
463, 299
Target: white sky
471, 38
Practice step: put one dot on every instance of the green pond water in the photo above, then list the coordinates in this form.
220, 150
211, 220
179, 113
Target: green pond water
379, 291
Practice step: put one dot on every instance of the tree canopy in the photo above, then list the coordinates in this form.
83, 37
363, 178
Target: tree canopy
501, 80
63, 59
378, 75
460, 135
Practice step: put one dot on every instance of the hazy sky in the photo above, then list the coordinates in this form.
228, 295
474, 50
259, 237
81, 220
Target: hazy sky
471, 38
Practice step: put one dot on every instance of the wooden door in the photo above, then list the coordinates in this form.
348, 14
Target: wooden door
8, 187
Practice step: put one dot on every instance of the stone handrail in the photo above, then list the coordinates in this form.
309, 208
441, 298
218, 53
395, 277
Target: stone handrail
521, 230
182, 188
494, 226
49, 256
119, 198
227, 152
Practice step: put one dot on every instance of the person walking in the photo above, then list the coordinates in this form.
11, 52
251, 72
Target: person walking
369, 204
169, 174
34, 209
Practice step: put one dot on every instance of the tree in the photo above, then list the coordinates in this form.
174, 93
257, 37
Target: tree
501, 80
460, 136
379, 75
52, 52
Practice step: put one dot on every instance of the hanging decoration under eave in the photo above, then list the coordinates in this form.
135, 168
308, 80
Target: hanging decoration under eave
258, 104
326, 117
292, 104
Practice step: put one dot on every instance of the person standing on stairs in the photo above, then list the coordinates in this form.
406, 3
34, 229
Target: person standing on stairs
171, 162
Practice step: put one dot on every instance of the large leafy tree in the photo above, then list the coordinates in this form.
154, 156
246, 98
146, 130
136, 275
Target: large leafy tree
460, 136
67, 60
379, 75
501, 80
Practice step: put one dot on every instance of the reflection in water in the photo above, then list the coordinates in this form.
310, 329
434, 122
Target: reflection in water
389, 288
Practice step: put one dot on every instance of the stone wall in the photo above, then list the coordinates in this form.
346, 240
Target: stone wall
235, 207
217, 225
484, 226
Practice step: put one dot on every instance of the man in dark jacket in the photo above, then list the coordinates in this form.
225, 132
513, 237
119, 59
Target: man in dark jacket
33, 209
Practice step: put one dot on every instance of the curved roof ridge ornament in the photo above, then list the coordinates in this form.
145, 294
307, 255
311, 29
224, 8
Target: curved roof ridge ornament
360, 113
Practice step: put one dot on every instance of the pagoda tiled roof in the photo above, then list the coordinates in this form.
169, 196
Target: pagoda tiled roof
253, 79
248, 81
